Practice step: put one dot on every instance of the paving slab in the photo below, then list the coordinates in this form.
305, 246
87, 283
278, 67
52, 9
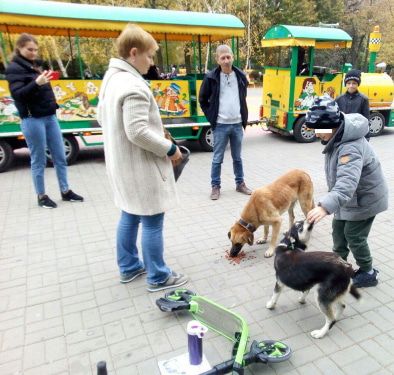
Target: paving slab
62, 307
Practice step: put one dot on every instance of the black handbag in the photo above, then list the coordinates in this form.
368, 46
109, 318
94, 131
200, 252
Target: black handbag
179, 164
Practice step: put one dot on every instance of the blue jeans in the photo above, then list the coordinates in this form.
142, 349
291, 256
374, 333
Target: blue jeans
221, 135
39, 133
151, 243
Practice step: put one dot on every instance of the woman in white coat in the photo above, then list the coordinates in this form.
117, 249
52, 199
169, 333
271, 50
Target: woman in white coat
138, 160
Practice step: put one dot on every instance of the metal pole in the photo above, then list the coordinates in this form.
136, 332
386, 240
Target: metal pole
199, 55
194, 56
372, 61
79, 56
209, 53
165, 42
3, 51
237, 52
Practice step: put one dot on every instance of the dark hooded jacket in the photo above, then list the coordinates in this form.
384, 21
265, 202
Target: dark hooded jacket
353, 103
31, 100
209, 95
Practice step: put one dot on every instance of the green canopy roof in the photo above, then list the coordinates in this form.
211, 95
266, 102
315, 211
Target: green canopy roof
307, 32
72, 16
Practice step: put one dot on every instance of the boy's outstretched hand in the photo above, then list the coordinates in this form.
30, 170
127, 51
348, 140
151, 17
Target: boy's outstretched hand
316, 214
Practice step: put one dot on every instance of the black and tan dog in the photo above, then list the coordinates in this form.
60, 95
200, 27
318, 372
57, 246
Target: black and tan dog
265, 207
300, 270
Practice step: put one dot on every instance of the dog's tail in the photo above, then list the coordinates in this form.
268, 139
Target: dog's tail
354, 292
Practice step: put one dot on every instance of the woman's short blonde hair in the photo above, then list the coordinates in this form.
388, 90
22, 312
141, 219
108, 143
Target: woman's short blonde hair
134, 36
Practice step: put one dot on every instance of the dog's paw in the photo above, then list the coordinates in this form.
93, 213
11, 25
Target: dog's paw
270, 305
261, 241
269, 253
318, 333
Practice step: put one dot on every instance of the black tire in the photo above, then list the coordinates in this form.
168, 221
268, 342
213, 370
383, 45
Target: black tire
377, 123
286, 352
71, 148
6, 156
206, 139
302, 133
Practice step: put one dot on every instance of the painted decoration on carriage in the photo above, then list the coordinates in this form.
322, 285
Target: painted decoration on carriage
8, 111
172, 97
307, 94
77, 100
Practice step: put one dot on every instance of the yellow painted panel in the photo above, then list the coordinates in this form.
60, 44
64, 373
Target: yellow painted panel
333, 44
198, 87
8, 111
290, 42
78, 99
333, 87
276, 90
172, 97
307, 88
305, 91
379, 87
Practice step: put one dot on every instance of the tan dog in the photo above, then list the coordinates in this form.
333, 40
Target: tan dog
265, 207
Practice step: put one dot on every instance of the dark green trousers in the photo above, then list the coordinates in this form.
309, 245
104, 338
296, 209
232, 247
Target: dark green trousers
352, 236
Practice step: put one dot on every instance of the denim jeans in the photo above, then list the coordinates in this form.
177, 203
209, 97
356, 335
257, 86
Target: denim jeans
353, 236
151, 243
40, 133
221, 135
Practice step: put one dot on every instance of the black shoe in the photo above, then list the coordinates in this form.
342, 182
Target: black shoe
46, 202
70, 196
363, 279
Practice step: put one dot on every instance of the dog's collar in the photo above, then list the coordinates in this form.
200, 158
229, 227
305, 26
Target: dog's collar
250, 227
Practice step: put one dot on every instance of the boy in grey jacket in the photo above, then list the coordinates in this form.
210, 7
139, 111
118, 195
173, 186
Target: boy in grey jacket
357, 190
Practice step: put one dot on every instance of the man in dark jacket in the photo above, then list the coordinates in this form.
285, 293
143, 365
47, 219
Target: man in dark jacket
352, 101
357, 189
223, 100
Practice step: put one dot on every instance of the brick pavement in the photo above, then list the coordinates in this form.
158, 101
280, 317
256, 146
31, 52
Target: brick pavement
62, 308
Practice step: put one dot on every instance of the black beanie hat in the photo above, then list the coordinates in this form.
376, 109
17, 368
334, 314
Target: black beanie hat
354, 75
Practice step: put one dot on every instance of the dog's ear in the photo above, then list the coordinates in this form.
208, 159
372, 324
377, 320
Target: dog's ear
250, 239
229, 235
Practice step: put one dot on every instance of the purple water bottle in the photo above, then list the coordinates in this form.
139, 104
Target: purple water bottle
195, 333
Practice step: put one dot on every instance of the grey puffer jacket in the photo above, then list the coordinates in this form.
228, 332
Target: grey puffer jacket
356, 185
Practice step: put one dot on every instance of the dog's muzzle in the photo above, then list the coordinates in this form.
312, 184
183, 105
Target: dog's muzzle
235, 249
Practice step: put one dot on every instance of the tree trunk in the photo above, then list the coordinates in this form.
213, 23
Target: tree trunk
57, 56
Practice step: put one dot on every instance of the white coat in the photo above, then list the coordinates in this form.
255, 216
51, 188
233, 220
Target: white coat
138, 168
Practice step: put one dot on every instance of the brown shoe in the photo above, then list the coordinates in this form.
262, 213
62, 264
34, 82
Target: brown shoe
242, 188
215, 194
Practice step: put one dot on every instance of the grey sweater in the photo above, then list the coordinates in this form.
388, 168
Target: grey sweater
356, 185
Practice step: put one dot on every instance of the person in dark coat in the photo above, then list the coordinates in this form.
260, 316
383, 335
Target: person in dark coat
353, 101
153, 73
35, 101
222, 98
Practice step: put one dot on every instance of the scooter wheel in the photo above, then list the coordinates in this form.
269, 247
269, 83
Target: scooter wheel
179, 295
274, 351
